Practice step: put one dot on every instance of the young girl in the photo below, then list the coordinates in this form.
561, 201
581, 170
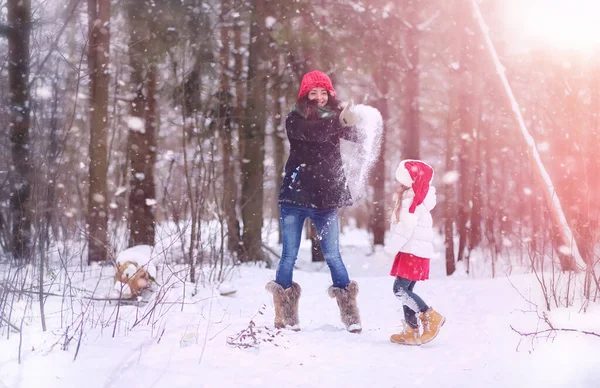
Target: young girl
411, 241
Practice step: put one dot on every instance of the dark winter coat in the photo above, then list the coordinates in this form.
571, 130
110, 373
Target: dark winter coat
314, 174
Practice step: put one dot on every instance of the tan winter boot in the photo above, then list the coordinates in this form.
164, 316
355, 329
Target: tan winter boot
286, 305
432, 322
409, 336
346, 300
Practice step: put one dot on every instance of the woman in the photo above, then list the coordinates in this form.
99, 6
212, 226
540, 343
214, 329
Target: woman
314, 187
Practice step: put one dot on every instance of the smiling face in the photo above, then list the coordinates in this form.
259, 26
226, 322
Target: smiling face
320, 95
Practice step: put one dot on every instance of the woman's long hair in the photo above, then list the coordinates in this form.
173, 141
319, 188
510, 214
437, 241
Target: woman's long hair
310, 109
398, 197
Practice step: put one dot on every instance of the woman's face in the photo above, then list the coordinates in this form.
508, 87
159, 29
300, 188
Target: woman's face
320, 95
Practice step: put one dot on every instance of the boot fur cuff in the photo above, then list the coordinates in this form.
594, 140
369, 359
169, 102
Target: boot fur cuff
351, 290
293, 292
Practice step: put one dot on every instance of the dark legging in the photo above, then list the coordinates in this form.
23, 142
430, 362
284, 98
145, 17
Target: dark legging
403, 289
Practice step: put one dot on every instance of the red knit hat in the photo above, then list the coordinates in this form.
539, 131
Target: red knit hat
418, 175
315, 79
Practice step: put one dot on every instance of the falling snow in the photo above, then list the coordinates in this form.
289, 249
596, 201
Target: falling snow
136, 124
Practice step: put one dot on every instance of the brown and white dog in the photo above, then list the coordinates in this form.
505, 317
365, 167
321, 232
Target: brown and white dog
133, 278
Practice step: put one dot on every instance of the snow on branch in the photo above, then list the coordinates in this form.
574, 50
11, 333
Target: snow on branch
569, 247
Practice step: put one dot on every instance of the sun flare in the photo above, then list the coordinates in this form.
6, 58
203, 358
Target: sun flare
560, 24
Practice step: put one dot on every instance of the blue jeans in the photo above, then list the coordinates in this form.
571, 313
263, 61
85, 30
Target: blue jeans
291, 219
403, 289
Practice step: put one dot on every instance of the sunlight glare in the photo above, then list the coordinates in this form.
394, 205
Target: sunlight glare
561, 24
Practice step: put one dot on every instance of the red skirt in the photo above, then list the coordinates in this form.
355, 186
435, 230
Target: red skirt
410, 267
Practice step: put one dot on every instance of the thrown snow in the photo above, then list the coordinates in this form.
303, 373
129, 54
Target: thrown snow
360, 158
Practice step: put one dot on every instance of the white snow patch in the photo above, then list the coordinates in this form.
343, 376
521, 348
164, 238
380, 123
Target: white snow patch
150, 202
543, 146
119, 290
141, 255
565, 250
130, 270
169, 155
354, 327
270, 21
187, 322
136, 124
97, 197
450, 177
43, 92
226, 288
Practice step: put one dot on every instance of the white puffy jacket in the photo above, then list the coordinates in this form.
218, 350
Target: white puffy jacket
414, 233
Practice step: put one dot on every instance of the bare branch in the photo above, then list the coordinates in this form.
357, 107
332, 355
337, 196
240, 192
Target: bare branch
536, 333
70, 12
10, 324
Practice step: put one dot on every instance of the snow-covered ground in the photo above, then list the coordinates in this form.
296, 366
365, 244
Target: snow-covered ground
184, 342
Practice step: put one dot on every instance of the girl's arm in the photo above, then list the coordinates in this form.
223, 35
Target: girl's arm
401, 232
298, 128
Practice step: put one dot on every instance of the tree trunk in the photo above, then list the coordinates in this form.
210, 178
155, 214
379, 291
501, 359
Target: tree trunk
466, 129
410, 149
142, 128
253, 133
449, 186
379, 218
50, 209
98, 59
225, 128
279, 137
474, 237
238, 58
476, 195
19, 17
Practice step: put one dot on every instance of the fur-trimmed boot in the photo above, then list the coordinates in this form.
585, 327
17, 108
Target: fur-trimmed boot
408, 336
432, 322
346, 300
286, 304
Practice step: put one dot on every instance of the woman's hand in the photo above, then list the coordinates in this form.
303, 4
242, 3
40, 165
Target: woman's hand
348, 118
